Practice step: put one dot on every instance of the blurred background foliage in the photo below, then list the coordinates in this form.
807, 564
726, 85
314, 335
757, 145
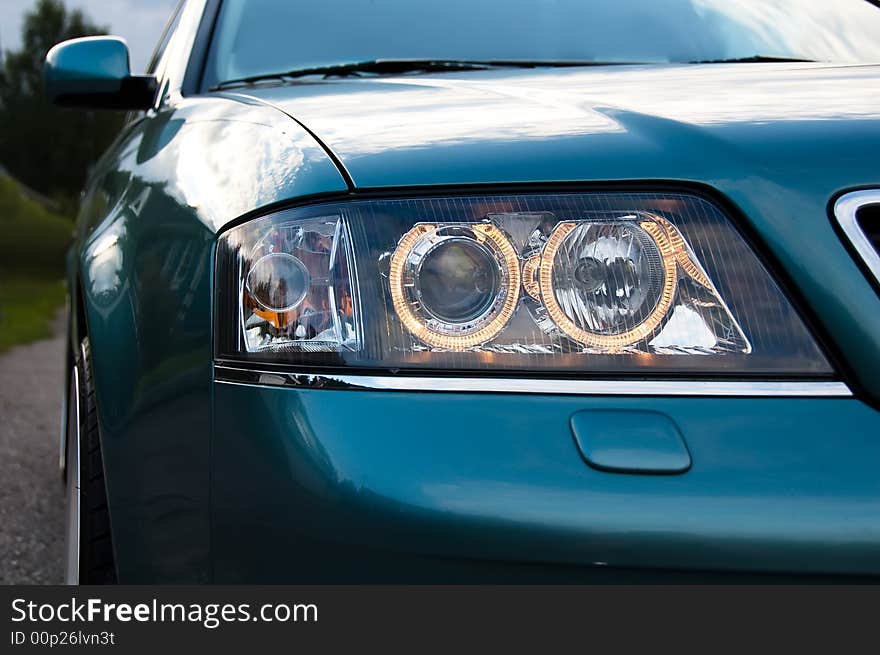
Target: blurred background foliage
45, 156
50, 150
33, 241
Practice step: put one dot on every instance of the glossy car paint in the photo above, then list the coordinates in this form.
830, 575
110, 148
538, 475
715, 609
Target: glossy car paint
209, 481
148, 231
495, 478
97, 64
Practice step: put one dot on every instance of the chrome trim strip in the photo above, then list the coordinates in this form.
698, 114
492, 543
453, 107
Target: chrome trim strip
738, 388
845, 210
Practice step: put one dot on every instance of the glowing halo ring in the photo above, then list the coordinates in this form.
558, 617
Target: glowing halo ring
416, 325
691, 267
529, 277
668, 257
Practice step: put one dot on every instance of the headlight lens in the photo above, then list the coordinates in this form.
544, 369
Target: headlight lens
576, 282
608, 284
454, 286
296, 290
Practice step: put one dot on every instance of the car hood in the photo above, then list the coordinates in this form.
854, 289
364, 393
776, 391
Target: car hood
680, 122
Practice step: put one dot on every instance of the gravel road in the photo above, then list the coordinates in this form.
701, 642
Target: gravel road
31, 493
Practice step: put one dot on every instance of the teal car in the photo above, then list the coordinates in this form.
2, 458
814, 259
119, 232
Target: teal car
484, 291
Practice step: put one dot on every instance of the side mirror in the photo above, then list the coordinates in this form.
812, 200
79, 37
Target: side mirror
93, 73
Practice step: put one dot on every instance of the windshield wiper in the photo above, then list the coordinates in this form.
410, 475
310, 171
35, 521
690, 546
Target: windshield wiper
396, 66
754, 59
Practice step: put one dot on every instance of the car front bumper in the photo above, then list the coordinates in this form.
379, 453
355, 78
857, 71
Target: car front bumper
323, 485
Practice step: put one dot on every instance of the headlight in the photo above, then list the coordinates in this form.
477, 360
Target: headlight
576, 282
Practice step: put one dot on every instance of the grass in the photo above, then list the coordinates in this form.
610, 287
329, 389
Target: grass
28, 309
33, 241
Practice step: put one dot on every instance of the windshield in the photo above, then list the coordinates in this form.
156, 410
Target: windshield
259, 37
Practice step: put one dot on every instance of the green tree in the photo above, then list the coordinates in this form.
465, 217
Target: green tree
48, 149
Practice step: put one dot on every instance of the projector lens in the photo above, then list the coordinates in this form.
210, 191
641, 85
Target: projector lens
455, 285
458, 280
278, 282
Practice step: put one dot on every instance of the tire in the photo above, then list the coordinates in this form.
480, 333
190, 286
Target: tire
90, 557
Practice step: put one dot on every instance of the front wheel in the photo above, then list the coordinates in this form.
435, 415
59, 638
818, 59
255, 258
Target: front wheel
89, 539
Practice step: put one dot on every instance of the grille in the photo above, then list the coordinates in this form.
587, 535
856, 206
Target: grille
858, 214
868, 219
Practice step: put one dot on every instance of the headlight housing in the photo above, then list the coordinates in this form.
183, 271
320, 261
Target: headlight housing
589, 283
